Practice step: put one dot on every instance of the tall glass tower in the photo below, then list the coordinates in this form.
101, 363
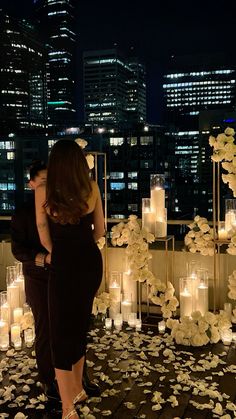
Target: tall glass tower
57, 19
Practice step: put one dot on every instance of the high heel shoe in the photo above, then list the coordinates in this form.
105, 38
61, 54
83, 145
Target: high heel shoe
70, 414
80, 397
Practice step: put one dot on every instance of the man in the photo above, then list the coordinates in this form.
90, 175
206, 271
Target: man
26, 247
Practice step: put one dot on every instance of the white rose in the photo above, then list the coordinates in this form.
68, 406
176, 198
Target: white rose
81, 142
229, 131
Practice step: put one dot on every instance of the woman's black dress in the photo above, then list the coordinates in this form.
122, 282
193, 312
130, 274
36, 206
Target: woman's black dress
76, 274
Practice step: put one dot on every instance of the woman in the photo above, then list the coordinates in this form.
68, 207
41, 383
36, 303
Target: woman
66, 209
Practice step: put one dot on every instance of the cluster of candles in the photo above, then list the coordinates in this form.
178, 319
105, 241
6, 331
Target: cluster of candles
133, 321
121, 303
154, 213
194, 291
12, 309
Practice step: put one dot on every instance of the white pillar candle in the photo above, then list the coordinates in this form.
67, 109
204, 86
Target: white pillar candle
114, 291
17, 314
13, 298
185, 303
161, 326
157, 199
130, 289
222, 234
15, 332
148, 221
126, 308
138, 325
118, 321
20, 281
17, 344
132, 317
160, 228
4, 342
202, 299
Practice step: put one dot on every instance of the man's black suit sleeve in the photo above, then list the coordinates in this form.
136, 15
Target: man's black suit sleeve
21, 247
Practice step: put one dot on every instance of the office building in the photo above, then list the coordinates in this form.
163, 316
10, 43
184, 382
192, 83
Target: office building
23, 104
57, 19
114, 89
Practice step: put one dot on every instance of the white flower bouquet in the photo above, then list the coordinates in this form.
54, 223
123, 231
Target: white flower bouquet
136, 239
200, 237
199, 330
101, 303
224, 151
232, 286
163, 295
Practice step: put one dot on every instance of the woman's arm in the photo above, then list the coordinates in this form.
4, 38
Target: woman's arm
41, 218
98, 216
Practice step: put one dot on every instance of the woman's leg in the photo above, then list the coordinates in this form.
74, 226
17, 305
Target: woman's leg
65, 381
77, 371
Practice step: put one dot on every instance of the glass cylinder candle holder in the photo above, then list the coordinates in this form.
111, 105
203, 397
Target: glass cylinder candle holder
202, 299
26, 308
186, 297
230, 215
19, 268
157, 186
114, 293
108, 323
161, 223
222, 233
10, 274
161, 327
228, 310
138, 325
226, 336
15, 332
126, 308
4, 307
4, 342
17, 314
118, 321
148, 217
17, 344
132, 317
3, 327
29, 337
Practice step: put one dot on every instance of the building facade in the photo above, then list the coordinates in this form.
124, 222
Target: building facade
23, 104
114, 89
57, 20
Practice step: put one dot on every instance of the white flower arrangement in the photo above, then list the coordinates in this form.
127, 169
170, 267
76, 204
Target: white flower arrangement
199, 330
137, 240
101, 303
232, 286
224, 151
163, 295
200, 237
89, 157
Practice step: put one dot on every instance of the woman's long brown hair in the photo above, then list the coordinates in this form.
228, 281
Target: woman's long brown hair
68, 185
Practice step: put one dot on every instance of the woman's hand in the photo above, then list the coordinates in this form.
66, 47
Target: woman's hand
48, 258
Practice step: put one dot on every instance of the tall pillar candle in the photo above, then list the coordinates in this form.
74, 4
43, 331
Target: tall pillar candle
115, 294
20, 281
13, 298
202, 299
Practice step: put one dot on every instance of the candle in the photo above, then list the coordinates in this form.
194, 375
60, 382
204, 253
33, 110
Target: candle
126, 308
202, 299
230, 218
17, 344
20, 281
114, 292
4, 342
3, 327
138, 325
108, 323
157, 199
15, 332
17, 314
161, 326
29, 337
185, 303
222, 234
228, 310
5, 313
132, 317
160, 228
226, 336
148, 221
13, 298
118, 321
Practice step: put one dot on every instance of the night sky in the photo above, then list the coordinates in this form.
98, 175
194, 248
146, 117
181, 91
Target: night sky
154, 29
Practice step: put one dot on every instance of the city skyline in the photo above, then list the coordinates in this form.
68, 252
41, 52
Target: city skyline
153, 33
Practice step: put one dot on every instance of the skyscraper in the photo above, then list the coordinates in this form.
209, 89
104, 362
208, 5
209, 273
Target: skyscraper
23, 77
114, 89
57, 20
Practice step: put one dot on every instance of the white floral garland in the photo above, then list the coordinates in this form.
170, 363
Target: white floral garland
199, 330
137, 240
232, 292
200, 237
